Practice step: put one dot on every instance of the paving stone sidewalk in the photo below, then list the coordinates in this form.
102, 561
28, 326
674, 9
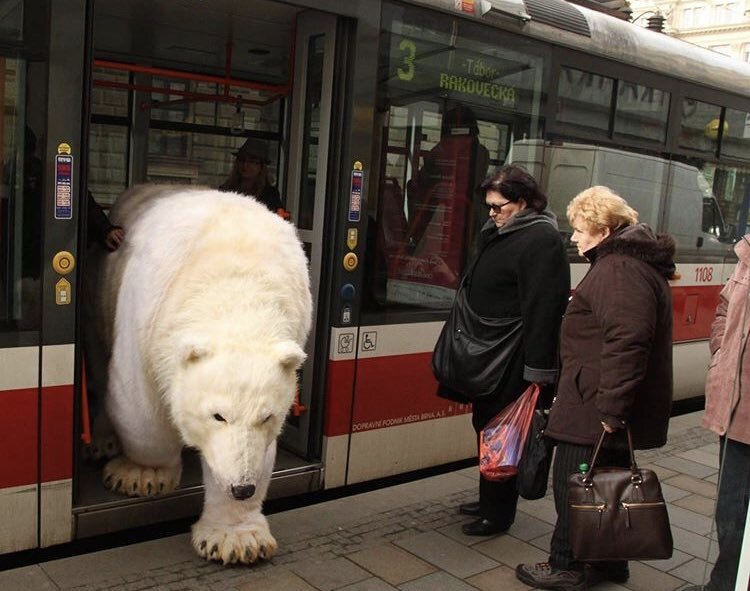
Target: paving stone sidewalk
408, 537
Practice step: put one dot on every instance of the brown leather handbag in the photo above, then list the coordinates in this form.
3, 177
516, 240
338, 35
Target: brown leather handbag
618, 513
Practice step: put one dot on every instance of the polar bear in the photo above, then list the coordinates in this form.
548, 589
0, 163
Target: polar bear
209, 306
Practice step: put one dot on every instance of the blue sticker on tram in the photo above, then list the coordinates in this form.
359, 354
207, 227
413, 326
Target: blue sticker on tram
63, 187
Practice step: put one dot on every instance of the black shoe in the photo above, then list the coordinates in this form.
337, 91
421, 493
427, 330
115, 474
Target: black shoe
483, 527
473, 509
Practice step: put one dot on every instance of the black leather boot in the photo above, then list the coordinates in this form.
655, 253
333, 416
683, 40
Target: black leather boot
483, 527
473, 509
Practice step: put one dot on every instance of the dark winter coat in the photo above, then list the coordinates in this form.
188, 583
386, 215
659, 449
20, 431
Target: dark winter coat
269, 196
616, 344
523, 271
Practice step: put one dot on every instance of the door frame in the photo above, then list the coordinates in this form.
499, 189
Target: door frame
309, 26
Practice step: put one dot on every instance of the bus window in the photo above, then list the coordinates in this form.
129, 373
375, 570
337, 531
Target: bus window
453, 98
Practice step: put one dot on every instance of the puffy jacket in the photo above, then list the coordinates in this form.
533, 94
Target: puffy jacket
616, 344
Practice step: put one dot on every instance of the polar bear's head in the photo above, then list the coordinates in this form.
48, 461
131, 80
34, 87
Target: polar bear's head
231, 405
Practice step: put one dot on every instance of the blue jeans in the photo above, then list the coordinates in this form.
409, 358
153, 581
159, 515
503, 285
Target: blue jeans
731, 512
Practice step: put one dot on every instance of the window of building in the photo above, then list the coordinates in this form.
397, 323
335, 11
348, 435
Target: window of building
745, 53
723, 49
584, 100
699, 126
725, 13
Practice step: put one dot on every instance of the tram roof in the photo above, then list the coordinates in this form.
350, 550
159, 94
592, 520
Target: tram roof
600, 34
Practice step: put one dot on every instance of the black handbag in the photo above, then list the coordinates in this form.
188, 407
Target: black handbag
533, 469
472, 352
618, 513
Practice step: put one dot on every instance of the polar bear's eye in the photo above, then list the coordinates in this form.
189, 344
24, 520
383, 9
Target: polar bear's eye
218, 417
268, 418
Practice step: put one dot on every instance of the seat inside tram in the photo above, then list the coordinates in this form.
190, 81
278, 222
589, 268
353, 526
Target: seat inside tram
177, 88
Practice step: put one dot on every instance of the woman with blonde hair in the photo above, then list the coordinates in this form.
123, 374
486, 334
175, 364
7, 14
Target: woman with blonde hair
616, 353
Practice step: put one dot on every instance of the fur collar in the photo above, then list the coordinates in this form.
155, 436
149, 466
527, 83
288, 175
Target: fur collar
641, 242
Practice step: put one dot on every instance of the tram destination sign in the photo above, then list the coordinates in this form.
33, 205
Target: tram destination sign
420, 68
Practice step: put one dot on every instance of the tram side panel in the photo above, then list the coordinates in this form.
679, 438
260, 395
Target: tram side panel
392, 421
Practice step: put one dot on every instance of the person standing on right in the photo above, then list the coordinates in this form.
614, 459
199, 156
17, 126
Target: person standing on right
616, 352
728, 415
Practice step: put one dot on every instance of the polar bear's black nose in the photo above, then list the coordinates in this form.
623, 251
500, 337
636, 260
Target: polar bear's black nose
242, 492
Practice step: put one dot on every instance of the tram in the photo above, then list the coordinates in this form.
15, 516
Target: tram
379, 117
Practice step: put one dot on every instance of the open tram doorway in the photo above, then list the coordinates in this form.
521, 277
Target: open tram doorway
177, 88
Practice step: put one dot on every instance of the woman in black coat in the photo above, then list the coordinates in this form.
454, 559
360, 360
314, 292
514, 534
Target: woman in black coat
521, 270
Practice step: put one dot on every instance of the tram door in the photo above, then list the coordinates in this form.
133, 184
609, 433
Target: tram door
306, 184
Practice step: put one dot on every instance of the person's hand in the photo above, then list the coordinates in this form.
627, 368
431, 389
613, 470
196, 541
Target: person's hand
283, 213
114, 238
608, 428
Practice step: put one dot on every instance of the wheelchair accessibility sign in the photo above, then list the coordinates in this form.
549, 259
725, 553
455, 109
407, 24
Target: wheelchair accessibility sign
369, 341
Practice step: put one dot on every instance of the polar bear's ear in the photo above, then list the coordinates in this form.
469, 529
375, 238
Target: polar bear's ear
192, 352
289, 354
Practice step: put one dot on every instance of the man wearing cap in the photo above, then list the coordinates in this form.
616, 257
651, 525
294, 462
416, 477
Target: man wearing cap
249, 175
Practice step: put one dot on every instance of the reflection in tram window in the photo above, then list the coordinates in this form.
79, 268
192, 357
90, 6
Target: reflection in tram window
454, 98
584, 100
21, 194
699, 129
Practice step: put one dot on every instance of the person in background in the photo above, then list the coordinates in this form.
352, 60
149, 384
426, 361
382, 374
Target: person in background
616, 353
249, 176
100, 229
522, 270
728, 415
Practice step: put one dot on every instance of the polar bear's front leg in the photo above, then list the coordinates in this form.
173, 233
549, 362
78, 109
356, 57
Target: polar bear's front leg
151, 462
232, 531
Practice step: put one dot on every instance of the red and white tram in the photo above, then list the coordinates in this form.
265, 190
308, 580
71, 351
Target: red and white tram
379, 117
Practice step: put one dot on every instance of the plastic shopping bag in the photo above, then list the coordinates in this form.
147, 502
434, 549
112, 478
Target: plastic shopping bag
502, 440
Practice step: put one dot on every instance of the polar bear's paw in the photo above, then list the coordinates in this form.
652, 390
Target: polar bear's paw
126, 477
230, 545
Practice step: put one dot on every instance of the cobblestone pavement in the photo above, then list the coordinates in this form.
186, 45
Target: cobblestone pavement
408, 537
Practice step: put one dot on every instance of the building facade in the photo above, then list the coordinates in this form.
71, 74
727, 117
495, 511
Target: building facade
720, 25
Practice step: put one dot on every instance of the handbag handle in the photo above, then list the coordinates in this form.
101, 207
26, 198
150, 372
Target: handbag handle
636, 475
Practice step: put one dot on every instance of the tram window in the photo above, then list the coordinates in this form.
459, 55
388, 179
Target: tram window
735, 142
21, 195
108, 148
108, 101
699, 126
11, 19
584, 100
453, 97
641, 112
731, 187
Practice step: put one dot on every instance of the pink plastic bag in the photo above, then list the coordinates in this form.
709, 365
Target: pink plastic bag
502, 440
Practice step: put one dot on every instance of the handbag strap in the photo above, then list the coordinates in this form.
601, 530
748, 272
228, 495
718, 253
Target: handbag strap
636, 475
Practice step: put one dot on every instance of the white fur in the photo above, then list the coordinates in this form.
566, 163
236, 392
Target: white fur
211, 301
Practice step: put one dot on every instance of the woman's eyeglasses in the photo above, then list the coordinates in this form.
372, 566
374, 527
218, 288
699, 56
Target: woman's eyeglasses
497, 207
249, 161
